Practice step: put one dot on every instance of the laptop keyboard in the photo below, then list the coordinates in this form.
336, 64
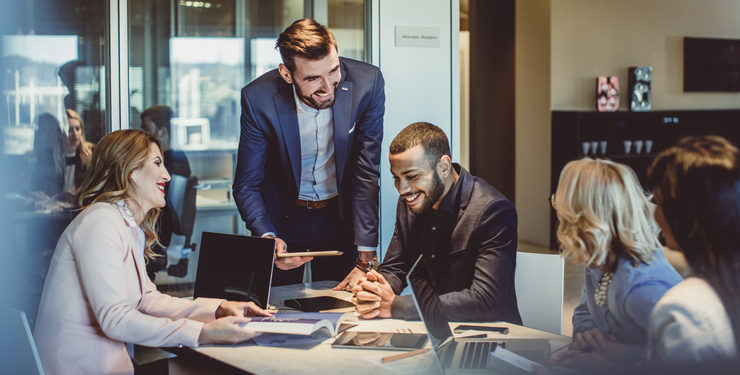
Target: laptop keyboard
475, 354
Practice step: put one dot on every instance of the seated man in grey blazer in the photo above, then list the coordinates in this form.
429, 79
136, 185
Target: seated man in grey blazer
465, 228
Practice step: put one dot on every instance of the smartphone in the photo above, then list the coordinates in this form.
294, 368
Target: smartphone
469, 327
377, 340
325, 253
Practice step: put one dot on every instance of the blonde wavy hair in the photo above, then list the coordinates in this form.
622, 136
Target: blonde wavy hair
603, 214
108, 178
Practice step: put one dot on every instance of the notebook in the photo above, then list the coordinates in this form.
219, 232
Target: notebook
460, 354
235, 267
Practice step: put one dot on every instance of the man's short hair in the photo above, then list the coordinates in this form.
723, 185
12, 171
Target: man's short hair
305, 38
431, 138
161, 116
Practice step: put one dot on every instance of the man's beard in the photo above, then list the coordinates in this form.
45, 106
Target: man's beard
315, 104
432, 196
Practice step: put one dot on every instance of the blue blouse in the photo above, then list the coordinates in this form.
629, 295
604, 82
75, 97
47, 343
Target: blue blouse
631, 296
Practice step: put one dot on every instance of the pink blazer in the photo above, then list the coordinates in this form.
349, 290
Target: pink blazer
97, 297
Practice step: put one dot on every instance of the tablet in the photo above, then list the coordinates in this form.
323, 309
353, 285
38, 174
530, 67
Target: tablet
326, 253
377, 340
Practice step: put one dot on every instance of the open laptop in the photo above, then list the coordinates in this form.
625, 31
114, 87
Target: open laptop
235, 267
460, 354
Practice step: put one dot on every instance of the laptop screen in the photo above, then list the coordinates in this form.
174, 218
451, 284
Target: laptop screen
235, 267
428, 303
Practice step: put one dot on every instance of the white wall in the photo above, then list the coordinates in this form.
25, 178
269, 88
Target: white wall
532, 116
421, 83
562, 45
592, 38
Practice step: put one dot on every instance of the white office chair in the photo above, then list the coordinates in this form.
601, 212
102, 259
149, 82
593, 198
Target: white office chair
18, 353
539, 290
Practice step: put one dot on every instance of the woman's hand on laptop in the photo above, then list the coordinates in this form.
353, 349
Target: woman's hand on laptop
238, 308
290, 262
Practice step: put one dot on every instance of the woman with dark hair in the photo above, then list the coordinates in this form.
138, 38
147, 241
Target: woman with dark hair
97, 296
697, 190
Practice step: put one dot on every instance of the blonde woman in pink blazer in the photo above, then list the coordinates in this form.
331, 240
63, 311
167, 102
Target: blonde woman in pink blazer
97, 296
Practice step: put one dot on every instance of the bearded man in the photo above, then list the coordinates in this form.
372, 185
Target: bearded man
309, 155
465, 228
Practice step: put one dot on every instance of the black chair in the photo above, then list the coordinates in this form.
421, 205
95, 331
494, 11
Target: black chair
181, 203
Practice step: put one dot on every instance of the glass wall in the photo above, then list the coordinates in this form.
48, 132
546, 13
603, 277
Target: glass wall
194, 57
52, 68
191, 56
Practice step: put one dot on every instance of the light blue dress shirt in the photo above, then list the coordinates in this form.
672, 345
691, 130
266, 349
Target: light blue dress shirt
631, 296
318, 169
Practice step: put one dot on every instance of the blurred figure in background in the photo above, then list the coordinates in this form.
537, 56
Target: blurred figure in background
157, 121
605, 221
61, 161
77, 154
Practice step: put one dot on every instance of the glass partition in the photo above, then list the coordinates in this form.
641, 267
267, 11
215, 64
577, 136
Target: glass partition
52, 79
194, 57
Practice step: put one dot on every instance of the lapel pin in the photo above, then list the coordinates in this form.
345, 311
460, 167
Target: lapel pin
344, 88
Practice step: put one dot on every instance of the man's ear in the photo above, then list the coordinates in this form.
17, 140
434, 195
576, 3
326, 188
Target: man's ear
444, 166
285, 73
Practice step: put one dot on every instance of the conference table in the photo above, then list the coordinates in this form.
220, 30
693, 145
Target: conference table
321, 358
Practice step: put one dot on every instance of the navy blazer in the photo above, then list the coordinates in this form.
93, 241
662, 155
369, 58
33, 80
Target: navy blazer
268, 167
476, 280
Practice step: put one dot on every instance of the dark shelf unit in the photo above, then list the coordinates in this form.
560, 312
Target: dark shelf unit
664, 128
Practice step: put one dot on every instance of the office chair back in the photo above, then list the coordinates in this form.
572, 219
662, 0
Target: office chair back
181, 201
539, 287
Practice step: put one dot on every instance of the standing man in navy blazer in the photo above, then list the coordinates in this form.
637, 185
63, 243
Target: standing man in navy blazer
309, 155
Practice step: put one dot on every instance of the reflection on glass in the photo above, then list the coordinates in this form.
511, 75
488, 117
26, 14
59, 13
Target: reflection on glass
195, 57
52, 59
207, 74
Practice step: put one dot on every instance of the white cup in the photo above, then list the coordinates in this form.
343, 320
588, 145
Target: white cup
638, 146
585, 146
627, 146
602, 147
648, 146
594, 147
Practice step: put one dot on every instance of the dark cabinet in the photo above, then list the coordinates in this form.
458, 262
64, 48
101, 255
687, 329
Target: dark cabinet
619, 136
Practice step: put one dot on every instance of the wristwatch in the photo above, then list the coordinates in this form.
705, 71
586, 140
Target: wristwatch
367, 265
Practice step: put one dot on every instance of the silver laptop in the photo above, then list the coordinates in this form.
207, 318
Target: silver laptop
458, 354
235, 267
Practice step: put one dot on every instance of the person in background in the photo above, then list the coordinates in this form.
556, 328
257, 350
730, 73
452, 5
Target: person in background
48, 172
308, 164
465, 228
61, 161
605, 222
97, 297
157, 121
77, 154
697, 190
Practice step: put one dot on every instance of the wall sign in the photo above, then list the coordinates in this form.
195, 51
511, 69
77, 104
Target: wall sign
407, 36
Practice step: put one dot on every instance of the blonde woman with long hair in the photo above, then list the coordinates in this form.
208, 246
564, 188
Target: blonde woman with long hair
97, 296
606, 223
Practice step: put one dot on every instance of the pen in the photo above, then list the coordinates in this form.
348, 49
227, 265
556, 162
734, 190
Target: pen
396, 357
